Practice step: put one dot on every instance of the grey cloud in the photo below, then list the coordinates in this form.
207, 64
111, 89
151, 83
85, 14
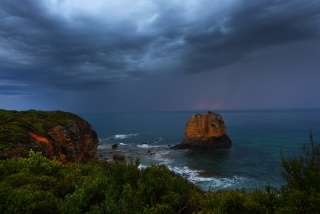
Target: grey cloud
48, 51
64, 56
250, 28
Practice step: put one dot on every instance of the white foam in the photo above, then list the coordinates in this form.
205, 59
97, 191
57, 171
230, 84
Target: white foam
228, 182
123, 136
104, 146
212, 182
145, 145
161, 156
186, 172
123, 144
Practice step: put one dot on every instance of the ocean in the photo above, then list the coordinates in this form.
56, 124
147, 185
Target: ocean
252, 162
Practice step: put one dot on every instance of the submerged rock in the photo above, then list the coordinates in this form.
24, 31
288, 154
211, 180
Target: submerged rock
118, 157
205, 132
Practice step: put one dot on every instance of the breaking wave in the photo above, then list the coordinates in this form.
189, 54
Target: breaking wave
186, 172
145, 145
103, 139
124, 136
103, 146
227, 183
210, 183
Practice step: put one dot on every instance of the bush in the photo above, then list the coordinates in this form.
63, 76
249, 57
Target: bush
238, 201
302, 174
38, 185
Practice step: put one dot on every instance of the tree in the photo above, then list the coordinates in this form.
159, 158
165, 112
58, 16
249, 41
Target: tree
301, 194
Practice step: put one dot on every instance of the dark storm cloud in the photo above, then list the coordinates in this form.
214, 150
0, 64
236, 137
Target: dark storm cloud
250, 27
46, 50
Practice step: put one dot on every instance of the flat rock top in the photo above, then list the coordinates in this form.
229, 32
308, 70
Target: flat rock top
205, 126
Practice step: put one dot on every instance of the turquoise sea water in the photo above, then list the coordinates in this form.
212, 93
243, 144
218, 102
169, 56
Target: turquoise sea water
252, 162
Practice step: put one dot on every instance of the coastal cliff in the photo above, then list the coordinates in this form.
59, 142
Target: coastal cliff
57, 135
205, 132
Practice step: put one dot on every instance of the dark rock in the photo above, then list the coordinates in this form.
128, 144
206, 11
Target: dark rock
146, 143
114, 146
118, 157
222, 142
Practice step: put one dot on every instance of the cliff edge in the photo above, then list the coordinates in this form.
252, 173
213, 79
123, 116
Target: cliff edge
58, 135
206, 131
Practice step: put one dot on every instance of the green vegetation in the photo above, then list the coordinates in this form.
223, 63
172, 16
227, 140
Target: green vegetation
37, 185
15, 125
34, 184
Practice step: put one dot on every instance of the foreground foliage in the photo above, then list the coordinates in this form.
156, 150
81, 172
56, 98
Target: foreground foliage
37, 185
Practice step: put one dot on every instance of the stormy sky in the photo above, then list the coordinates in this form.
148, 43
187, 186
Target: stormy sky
142, 55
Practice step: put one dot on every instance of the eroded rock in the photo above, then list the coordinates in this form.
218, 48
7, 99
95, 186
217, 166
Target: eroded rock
206, 131
77, 142
57, 135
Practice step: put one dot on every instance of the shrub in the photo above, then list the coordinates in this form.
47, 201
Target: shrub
301, 194
38, 185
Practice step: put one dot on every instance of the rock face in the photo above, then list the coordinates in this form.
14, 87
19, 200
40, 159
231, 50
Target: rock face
58, 135
205, 132
76, 142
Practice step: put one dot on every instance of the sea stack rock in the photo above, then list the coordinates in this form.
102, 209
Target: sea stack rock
206, 131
